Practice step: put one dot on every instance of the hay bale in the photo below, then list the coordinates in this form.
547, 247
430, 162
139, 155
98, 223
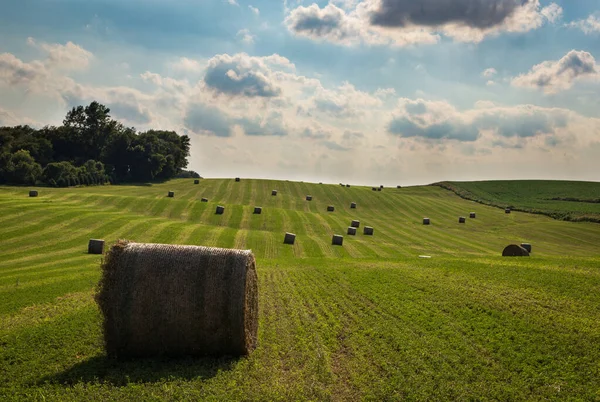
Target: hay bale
289, 238
337, 240
258, 210
374, 188
204, 200
527, 247
507, 211
309, 198
196, 181
513, 250
462, 219
273, 192
398, 186
353, 205
347, 185
220, 210
379, 188
330, 208
171, 194
96, 246
426, 221
33, 193
352, 231
368, 231
355, 224
472, 215
237, 179
172, 300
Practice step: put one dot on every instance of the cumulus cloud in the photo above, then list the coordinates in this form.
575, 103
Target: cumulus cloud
255, 10
271, 125
489, 72
407, 22
187, 65
207, 120
246, 36
589, 26
554, 76
69, 56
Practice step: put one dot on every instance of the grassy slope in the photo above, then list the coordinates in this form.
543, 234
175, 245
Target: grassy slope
367, 320
566, 200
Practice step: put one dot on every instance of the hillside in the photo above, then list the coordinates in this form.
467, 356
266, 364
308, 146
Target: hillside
368, 320
565, 200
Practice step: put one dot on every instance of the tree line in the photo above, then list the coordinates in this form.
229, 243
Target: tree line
90, 148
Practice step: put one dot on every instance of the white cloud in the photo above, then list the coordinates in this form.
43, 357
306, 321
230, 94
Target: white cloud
187, 65
246, 36
589, 26
489, 72
255, 10
233, 2
554, 76
69, 56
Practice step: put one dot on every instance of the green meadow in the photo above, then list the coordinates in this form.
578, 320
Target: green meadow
370, 320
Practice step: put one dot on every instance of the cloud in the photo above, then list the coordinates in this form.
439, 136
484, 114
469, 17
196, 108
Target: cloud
68, 57
207, 120
233, 2
589, 26
409, 22
272, 125
489, 72
243, 75
315, 133
522, 121
187, 65
246, 36
555, 76
255, 10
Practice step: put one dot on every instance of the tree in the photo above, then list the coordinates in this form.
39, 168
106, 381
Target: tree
19, 168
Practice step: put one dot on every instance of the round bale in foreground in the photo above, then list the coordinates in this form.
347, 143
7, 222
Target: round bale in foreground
472, 215
171, 194
353, 205
289, 238
337, 240
96, 246
514, 250
170, 300
352, 231
257, 210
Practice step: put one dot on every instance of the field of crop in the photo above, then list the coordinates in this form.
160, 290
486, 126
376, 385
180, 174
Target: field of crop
567, 200
368, 320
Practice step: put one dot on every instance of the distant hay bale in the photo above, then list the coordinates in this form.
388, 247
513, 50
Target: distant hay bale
355, 224
237, 179
347, 185
527, 247
353, 205
507, 211
472, 215
309, 198
462, 219
330, 208
204, 200
337, 240
368, 231
398, 186
514, 250
374, 188
379, 188
352, 231
33, 193
172, 300
320, 182
426, 221
171, 194
196, 181
289, 238
273, 192
220, 210
258, 210
96, 246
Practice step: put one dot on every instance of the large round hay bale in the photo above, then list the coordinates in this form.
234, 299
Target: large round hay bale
170, 300
426, 221
220, 210
507, 210
337, 240
527, 247
237, 179
379, 188
347, 185
330, 208
273, 192
33, 193
289, 238
204, 199
96, 246
398, 186
355, 223
368, 231
196, 181
309, 198
171, 194
514, 250
374, 188
352, 231
353, 205
472, 215
258, 210
462, 219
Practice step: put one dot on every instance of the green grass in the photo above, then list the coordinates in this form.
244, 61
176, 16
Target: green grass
366, 321
565, 200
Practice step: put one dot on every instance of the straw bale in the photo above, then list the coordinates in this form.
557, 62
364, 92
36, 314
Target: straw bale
172, 300
289, 238
398, 186
507, 211
273, 192
171, 194
353, 205
462, 219
368, 231
309, 198
347, 185
96, 246
220, 210
426, 221
258, 210
374, 188
237, 179
352, 231
527, 247
355, 224
379, 188
514, 250
33, 193
337, 240
196, 181
472, 215
204, 199
330, 208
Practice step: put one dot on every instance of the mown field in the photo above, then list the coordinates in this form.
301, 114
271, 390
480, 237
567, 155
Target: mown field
566, 200
366, 321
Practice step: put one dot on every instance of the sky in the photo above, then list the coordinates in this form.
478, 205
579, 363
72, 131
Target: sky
392, 92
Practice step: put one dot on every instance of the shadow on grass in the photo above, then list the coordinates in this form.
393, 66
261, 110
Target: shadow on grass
102, 369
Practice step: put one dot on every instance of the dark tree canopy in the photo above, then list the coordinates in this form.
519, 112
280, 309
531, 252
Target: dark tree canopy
90, 148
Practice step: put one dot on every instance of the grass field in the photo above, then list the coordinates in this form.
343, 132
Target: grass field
566, 200
369, 320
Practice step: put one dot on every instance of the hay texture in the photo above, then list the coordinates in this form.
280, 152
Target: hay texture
204, 200
309, 198
337, 240
171, 300
514, 250
289, 238
526, 246
352, 231
33, 193
96, 246
355, 224
426, 221
368, 231
462, 219
171, 194
472, 215
196, 181
220, 210
330, 208
353, 205
274, 192
258, 210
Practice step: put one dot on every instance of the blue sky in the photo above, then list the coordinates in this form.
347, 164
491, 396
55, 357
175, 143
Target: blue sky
371, 91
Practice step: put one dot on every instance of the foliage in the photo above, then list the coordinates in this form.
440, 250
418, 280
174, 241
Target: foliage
90, 134
19, 168
187, 174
